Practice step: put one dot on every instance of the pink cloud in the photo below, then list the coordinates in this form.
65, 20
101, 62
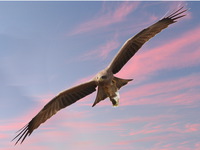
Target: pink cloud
18, 122
107, 48
182, 129
115, 125
152, 138
26, 147
52, 123
149, 132
107, 18
178, 53
83, 80
192, 127
2, 136
41, 134
91, 126
197, 146
170, 93
164, 142
84, 144
146, 119
101, 51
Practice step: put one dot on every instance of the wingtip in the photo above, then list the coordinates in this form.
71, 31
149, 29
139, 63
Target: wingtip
22, 134
176, 13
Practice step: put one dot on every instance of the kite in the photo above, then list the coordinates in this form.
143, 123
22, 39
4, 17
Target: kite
105, 82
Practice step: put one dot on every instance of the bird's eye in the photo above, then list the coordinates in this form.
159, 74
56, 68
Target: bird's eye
103, 77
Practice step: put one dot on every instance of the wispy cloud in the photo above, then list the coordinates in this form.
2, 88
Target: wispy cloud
150, 133
178, 53
102, 51
171, 92
26, 146
146, 119
152, 129
2, 136
92, 126
106, 18
197, 146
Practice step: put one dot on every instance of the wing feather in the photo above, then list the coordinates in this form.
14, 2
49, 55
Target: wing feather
132, 45
62, 100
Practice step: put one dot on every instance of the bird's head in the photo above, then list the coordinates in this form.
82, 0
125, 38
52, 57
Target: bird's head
103, 77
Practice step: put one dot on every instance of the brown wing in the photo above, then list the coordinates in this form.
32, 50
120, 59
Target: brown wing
63, 100
132, 45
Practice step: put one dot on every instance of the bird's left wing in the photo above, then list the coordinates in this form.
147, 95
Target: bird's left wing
62, 100
132, 45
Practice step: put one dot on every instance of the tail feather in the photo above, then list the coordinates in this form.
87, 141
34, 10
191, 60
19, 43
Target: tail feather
112, 93
101, 95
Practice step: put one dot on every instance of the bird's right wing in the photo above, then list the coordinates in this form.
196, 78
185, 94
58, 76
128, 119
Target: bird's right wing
132, 45
62, 100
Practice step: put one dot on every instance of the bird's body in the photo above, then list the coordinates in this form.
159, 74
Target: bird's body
108, 86
106, 83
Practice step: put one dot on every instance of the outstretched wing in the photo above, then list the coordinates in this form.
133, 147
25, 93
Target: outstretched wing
62, 100
132, 45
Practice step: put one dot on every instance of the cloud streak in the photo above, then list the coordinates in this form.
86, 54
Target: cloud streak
178, 53
106, 18
101, 51
151, 132
171, 92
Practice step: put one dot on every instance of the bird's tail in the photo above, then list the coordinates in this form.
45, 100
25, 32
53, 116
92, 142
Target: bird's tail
101, 95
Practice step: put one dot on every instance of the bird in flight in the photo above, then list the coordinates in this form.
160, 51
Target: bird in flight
106, 83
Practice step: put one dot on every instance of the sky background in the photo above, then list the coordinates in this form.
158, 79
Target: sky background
47, 47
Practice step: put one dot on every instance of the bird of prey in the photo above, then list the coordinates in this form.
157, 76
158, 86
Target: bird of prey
105, 82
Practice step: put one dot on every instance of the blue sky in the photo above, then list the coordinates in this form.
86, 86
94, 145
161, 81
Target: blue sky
47, 47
